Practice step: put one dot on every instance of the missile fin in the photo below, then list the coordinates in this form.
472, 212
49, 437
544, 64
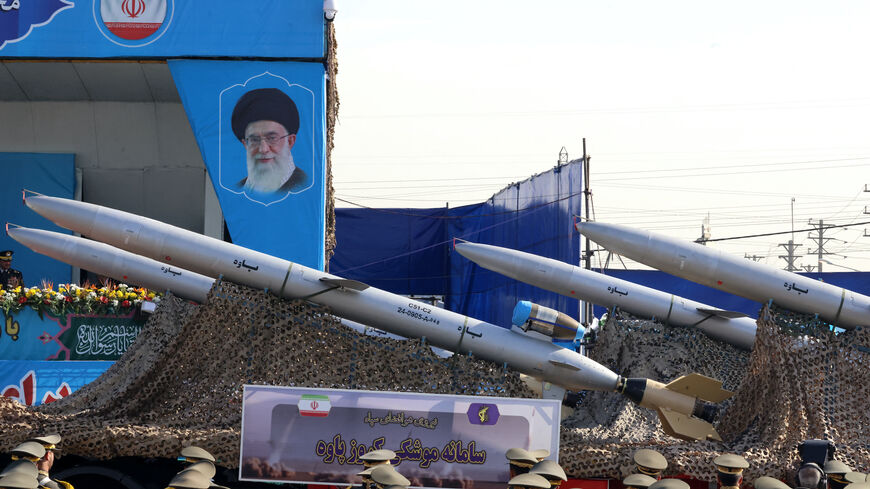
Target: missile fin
686, 427
345, 283
700, 386
722, 313
560, 363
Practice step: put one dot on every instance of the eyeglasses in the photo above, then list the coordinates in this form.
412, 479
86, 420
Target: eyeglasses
270, 139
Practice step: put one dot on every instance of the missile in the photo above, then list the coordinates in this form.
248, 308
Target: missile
732, 274
572, 281
110, 261
367, 305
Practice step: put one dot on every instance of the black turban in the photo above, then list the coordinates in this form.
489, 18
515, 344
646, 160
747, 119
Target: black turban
265, 104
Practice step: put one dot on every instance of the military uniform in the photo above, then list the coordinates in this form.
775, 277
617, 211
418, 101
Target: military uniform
638, 481
836, 472
729, 469
551, 471
9, 277
49, 443
520, 461
650, 462
528, 481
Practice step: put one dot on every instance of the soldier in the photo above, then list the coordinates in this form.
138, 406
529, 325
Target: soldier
669, 484
377, 457
528, 481
9, 277
189, 479
551, 471
540, 453
366, 476
385, 475
836, 472
520, 461
766, 482
193, 454
650, 462
729, 470
18, 479
50, 443
29, 450
638, 481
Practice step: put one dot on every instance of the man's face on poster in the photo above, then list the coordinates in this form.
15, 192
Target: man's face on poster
269, 160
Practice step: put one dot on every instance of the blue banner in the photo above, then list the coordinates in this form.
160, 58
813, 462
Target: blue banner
32, 383
25, 335
161, 28
261, 130
50, 174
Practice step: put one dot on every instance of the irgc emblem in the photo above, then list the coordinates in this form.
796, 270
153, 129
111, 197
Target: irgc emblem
133, 23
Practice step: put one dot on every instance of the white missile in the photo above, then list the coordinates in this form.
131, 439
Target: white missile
110, 261
358, 302
732, 274
572, 281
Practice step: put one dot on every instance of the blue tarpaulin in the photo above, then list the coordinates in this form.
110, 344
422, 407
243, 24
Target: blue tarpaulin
409, 251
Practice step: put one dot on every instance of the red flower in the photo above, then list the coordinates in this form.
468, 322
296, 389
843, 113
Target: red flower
104, 299
22, 299
46, 301
126, 303
68, 299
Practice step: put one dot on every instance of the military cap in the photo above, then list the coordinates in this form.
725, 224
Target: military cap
855, 477
18, 480
540, 453
195, 454
731, 461
378, 457
265, 104
190, 479
395, 486
203, 466
521, 457
858, 485
669, 484
215, 486
6, 255
549, 469
765, 482
21, 466
386, 475
29, 449
650, 459
836, 467
367, 472
638, 480
530, 480
47, 441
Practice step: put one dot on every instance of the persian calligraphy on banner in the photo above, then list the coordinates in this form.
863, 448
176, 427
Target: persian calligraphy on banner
317, 436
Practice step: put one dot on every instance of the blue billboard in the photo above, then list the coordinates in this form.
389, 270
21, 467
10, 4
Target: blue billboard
261, 130
161, 29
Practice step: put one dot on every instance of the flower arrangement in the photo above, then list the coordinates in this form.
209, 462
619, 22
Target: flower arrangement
72, 299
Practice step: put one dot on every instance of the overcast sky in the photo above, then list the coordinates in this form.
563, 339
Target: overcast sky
688, 108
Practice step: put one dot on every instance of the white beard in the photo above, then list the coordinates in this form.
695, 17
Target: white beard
269, 178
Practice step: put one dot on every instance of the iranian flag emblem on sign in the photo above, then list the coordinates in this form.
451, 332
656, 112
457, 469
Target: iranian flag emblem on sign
133, 19
313, 405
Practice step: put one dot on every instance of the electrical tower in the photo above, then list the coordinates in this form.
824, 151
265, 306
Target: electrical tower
790, 257
820, 241
705, 231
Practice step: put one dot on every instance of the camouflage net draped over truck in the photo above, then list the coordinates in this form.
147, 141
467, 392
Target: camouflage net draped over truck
181, 383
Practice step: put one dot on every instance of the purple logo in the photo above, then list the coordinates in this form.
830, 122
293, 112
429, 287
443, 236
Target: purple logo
485, 414
19, 17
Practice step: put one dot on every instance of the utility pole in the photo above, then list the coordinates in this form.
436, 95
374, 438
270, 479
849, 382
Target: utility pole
705, 231
820, 241
753, 257
790, 247
587, 195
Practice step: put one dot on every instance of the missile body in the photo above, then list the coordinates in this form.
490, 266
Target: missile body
356, 301
112, 262
572, 281
731, 274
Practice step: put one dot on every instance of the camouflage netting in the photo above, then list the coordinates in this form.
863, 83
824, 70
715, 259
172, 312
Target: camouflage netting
181, 383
